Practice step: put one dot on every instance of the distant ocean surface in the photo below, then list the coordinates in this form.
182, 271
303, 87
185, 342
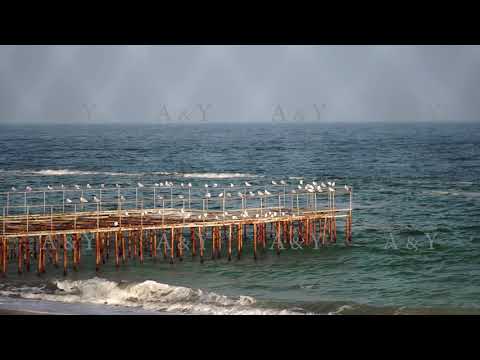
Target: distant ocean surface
416, 218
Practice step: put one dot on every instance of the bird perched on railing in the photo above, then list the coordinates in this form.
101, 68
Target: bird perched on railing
231, 185
247, 184
77, 186
267, 192
88, 186
49, 187
208, 195
140, 185
68, 200
83, 200
13, 188
283, 182
28, 189
102, 186
97, 200
274, 182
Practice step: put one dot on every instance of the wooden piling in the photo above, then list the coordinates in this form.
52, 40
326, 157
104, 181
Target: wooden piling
117, 259
27, 253
20, 255
4, 256
97, 252
202, 243
172, 244
255, 241
193, 241
230, 242
65, 254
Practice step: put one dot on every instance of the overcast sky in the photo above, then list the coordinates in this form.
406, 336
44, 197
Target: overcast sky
72, 84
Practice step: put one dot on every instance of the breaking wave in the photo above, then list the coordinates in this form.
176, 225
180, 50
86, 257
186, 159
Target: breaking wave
218, 175
147, 295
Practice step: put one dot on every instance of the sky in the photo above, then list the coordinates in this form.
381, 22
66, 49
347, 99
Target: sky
182, 84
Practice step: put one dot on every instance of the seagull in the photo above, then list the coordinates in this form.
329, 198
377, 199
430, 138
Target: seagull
234, 217
331, 189
62, 186
181, 196
13, 188
310, 190
156, 185
231, 185
122, 198
257, 215
319, 189
208, 195
333, 184
102, 186
28, 188
161, 184
294, 192
260, 193
323, 185
329, 183
205, 215
267, 192
77, 187
251, 193
229, 194
88, 186
96, 199
189, 185
49, 187
247, 183
126, 213
314, 183
160, 197
83, 200
299, 187
206, 185
140, 185
301, 182
240, 194
118, 186
115, 223
225, 213
220, 195
181, 184
68, 201
347, 188
215, 185
274, 182
283, 182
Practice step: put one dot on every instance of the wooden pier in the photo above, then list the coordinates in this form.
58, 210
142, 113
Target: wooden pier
167, 223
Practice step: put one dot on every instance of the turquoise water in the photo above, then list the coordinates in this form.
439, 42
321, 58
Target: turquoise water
416, 246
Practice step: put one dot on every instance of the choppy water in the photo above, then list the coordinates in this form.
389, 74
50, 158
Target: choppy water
416, 216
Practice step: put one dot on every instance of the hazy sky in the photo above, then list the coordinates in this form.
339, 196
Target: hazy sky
71, 84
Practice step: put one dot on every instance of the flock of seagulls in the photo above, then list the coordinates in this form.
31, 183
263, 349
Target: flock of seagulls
312, 187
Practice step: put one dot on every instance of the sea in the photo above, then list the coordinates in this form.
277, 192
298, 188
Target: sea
416, 216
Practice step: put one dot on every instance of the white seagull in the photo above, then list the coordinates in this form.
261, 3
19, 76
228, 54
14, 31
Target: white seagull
77, 186
323, 185
156, 185
229, 194
49, 187
118, 186
260, 193
83, 200
96, 199
283, 182
208, 195
231, 185
240, 194
102, 186
68, 201
267, 192
13, 188
247, 183
28, 189
215, 185
88, 186
189, 185
251, 193
347, 188
140, 185
220, 195
274, 182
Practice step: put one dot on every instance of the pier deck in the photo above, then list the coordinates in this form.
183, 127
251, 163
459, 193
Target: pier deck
171, 224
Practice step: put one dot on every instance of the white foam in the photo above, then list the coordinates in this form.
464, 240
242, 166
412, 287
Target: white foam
148, 295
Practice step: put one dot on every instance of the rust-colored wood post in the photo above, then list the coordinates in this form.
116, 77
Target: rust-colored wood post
65, 255
172, 244
255, 241
27, 253
154, 245
124, 247
193, 242
202, 243
279, 239
4, 256
135, 248
74, 252
230, 242
239, 241
20, 255
140, 246
97, 251
214, 243
55, 255
117, 260
108, 235
164, 240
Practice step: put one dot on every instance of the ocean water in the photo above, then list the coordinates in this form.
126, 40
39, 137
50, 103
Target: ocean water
416, 242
